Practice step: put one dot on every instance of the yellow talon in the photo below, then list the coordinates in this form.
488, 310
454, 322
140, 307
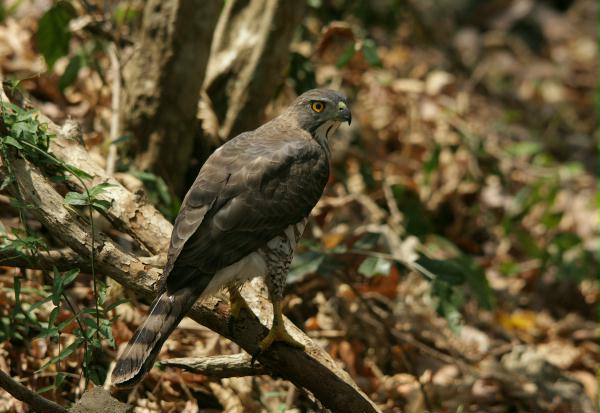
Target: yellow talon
237, 304
278, 332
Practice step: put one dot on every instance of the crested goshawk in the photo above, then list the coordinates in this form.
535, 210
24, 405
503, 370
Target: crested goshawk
242, 218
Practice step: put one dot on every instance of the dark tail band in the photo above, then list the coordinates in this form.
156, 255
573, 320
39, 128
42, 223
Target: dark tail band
166, 312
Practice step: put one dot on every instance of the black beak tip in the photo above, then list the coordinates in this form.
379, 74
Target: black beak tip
347, 116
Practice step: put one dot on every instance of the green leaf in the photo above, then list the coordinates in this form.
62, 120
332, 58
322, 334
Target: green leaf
53, 316
78, 172
71, 71
527, 148
24, 129
53, 35
369, 50
121, 139
124, 14
346, 56
450, 271
65, 323
66, 352
98, 189
70, 276
75, 198
102, 292
57, 287
101, 205
38, 304
304, 264
432, 163
45, 389
91, 323
449, 301
9, 140
478, 283
375, 266
106, 329
367, 241
59, 379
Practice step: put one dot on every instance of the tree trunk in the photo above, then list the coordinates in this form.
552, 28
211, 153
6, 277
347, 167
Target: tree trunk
249, 57
163, 80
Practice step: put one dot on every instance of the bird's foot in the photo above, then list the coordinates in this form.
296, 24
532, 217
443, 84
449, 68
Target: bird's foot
277, 333
237, 305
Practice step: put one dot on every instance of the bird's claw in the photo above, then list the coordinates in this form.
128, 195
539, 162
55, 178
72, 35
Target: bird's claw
277, 333
236, 307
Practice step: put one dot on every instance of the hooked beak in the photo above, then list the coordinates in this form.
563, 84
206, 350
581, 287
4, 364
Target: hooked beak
344, 113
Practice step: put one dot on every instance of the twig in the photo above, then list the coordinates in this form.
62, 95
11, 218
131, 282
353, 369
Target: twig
389, 329
234, 365
227, 397
34, 400
115, 69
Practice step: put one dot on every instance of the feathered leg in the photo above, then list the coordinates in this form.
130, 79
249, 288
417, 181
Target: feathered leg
276, 284
278, 331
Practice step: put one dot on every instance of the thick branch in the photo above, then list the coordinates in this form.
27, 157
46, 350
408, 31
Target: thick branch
34, 400
312, 369
130, 213
234, 365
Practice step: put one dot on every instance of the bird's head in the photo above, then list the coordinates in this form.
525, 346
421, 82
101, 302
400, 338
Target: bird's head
320, 111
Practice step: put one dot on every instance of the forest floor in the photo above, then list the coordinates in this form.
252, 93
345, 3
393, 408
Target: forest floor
474, 155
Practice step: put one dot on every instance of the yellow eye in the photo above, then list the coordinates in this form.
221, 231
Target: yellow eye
317, 106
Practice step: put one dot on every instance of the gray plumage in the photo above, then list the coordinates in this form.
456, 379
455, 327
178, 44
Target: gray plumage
241, 218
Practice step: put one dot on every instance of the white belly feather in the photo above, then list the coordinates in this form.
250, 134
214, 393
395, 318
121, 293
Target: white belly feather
253, 264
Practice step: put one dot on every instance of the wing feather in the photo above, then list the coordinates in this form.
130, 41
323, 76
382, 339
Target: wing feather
248, 192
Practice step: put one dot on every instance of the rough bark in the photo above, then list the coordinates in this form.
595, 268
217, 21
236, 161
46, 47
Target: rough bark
234, 365
132, 214
249, 56
34, 400
163, 80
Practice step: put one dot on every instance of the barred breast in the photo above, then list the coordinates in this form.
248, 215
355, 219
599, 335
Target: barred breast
273, 260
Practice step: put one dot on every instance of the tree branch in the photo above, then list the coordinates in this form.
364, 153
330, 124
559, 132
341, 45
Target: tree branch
63, 259
234, 365
34, 400
312, 369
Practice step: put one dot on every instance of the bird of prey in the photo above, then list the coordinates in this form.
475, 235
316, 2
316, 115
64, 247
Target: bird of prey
242, 218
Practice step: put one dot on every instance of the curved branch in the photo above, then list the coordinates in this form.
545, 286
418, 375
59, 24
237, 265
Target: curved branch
312, 369
34, 400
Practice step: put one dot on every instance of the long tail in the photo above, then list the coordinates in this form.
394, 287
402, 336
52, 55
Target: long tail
166, 312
